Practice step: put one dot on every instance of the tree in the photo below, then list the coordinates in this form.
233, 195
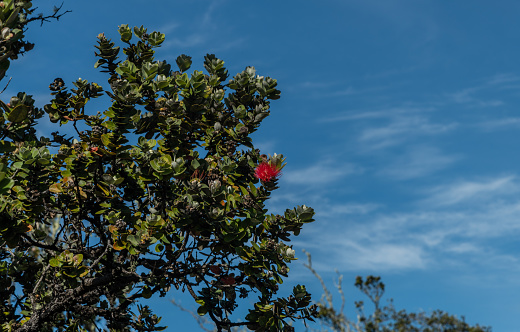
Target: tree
164, 188
383, 318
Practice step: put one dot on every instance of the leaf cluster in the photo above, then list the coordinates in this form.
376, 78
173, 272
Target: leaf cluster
15, 15
155, 192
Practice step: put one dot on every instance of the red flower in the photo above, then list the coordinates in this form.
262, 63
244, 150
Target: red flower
266, 172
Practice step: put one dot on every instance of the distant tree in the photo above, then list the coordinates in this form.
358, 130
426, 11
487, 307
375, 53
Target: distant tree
164, 188
382, 319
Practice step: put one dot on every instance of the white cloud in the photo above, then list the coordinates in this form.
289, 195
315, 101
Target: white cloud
265, 146
468, 95
169, 27
392, 112
490, 125
344, 209
400, 130
419, 240
321, 173
464, 95
202, 31
419, 161
463, 225
190, 41
469, 191
381, 257
502, 78
463, 248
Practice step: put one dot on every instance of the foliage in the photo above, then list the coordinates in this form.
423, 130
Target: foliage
157, 191
15, 15
382, 319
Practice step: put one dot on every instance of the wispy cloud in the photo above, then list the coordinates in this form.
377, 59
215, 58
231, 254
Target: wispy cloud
417, 162
168, 27
386, 113
191, 40
490, 125
474, 96
346, 209
502, 78
469, 191
420, 239
266, 146
202, 31
401, 129
467, 96
321, 173
376, 257
317, 89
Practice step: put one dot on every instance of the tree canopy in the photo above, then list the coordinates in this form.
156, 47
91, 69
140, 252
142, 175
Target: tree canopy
383, 318
163, 190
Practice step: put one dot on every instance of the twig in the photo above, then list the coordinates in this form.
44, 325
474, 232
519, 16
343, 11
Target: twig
40, 245
55, 15
6, 85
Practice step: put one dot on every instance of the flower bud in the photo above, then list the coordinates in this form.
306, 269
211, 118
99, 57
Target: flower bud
214, 186
5, 33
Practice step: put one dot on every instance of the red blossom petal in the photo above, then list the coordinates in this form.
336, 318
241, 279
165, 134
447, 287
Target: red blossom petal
266, 172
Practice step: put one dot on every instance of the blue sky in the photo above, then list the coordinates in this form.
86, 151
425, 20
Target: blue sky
399, 120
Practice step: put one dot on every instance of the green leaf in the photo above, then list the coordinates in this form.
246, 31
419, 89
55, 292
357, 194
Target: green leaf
202, 311
139, 32
134, 240
255, 246
118, 245
159, 247
149, 70
56, 188
39, 234
54, 262
156, 38
195, 164
5, 185
99, 63
78, 259
19, 113
229, 237
82, 271
6, 146
253, 189
12, 17
105, 138
184, 62
73, 273
182, 80
125, 32
146, 292
105, 204
109, 125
